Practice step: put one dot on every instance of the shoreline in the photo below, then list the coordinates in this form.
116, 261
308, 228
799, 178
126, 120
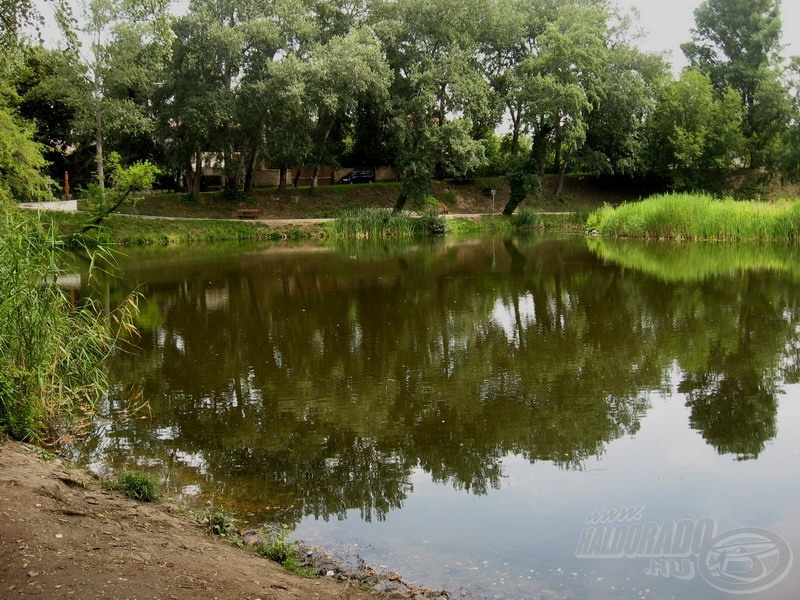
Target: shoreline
64, 535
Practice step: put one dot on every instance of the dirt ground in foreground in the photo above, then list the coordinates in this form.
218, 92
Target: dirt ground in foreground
62, 535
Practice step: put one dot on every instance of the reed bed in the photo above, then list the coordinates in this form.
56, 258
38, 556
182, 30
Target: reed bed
699, 217
369, 223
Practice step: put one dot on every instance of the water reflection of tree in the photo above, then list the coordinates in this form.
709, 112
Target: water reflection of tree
734, 340
316, 384
733, 392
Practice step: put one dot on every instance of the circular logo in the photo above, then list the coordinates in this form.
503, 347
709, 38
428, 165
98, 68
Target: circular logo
743, 561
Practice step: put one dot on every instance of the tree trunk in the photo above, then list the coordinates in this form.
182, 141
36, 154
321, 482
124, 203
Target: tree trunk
98, 138
193, 173
250, 171
315, 178
557, 148
515, 129
282, 179
401, 202
296, 178
561, 176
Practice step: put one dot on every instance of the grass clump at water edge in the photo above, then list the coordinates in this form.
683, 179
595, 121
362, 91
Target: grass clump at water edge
277, 547
136, 485
699, 217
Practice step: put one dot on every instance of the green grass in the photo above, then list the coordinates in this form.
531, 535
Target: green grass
132, 231
699, 217
136, 485
279, 549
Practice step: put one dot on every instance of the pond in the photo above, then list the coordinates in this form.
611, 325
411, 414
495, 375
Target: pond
464, 412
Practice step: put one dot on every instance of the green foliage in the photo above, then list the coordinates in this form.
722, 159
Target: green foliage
736, 43
21, 160
125, 181
138, 486
693, 132
430, 224
51, 351
218, 522
527, 218
279, 549
697, 217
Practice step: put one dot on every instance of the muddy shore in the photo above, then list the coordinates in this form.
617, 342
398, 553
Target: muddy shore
64, 535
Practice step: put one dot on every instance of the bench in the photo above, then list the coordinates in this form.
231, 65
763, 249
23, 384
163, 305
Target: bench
247, 213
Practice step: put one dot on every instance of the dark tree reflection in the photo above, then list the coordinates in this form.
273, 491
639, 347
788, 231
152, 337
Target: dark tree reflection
313, 382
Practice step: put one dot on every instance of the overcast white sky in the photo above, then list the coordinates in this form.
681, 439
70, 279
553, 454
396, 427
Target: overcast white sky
667, 24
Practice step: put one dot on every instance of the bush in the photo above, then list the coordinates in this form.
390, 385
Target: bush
527, 218
218, 522
431, 224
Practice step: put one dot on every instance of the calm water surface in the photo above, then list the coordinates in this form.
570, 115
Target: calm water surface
454, 411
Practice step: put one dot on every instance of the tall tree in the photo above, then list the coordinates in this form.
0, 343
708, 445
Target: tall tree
737, 43
198, 103
342, 72
21, 160
695, 133
431, 46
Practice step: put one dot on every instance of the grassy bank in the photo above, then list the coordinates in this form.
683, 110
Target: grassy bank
358, 223
131, 231
699, 217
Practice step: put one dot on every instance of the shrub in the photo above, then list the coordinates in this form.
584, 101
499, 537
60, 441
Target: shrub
281, 550
431, 224
527, 218
218, 522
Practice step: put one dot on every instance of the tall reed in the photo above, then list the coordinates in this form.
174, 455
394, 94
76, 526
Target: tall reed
373, 223
699, 217
51, 351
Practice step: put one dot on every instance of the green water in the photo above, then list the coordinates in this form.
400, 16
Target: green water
454, 411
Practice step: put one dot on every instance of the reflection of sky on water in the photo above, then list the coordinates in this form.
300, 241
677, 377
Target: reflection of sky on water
520, 541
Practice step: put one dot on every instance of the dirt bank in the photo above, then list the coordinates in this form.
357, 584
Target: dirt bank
62, 535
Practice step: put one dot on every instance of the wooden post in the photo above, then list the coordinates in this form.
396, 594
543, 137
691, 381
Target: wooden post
66, 185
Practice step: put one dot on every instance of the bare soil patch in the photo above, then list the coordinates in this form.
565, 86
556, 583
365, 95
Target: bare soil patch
62, 535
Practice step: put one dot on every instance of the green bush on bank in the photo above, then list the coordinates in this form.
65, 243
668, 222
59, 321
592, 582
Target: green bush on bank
698, 217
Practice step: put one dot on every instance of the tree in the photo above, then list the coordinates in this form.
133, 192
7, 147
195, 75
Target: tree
341, 73
693, 132
126, 35
51, 91
616, 127
737, 43
431, 46
21, 159
125, 182
198, 104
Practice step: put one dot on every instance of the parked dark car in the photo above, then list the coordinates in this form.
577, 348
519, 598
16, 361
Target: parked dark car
358, 177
